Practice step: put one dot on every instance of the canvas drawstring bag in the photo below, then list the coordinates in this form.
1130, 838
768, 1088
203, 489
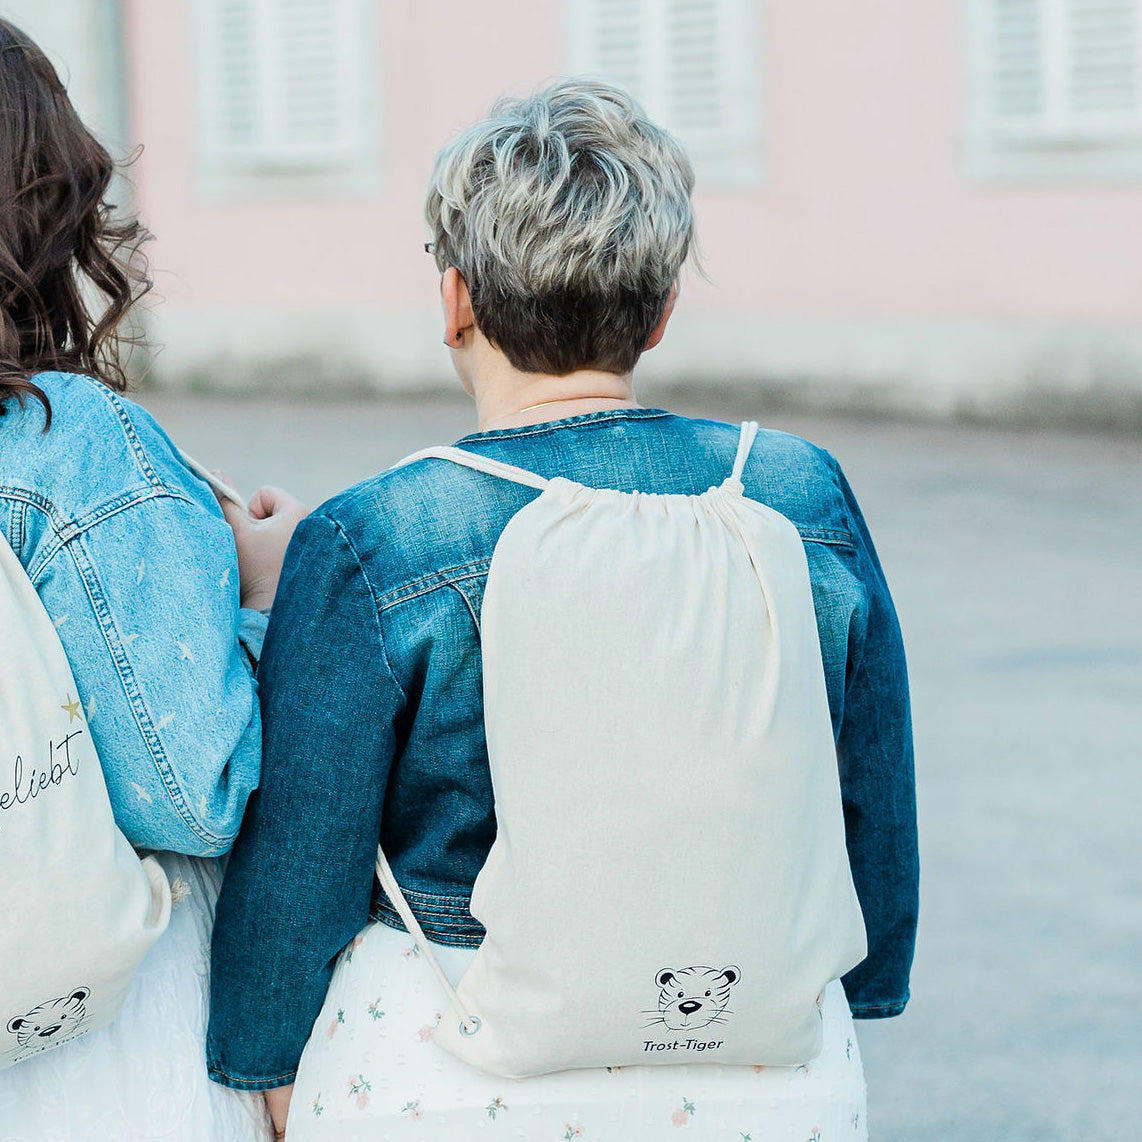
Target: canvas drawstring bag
80, 908
669, 881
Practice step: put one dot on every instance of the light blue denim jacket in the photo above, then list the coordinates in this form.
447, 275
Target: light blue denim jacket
136, 566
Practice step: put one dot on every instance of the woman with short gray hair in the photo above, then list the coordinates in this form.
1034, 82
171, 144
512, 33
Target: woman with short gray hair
559, 224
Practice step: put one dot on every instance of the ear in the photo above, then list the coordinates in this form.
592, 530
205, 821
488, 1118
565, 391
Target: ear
80, 994
458, 316
664, 977
659, 330
14, 1025
731, 975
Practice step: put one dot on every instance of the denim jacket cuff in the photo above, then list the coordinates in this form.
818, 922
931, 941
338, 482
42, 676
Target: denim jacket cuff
878, 1010
252, 633
218, 1075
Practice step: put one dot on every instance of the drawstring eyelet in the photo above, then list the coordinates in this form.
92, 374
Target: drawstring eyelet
470, 1027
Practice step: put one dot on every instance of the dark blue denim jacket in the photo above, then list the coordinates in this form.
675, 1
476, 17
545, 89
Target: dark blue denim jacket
370, 684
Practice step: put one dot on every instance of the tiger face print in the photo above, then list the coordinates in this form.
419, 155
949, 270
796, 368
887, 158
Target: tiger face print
53, 1022
694, 997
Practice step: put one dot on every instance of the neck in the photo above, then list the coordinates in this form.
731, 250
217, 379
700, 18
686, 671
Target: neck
515, 399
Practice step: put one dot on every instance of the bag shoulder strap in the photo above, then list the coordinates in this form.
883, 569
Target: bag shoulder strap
745, 442
504, 471
479, 463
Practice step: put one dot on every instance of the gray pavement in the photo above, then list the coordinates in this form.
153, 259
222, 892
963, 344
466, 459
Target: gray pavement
1016, 564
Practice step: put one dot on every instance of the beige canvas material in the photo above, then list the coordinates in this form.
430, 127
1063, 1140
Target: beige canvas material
80, 910
669, 881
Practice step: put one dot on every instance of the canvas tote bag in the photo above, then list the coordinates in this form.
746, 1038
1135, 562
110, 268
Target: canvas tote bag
669, 881
79, 909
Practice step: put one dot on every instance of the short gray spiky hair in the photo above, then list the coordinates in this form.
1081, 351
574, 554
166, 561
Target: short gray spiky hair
568, 214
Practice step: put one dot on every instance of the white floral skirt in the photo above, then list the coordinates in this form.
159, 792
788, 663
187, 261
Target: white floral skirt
143, 1077
371, 1071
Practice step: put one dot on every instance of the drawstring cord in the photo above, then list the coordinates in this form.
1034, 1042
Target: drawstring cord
469, 1024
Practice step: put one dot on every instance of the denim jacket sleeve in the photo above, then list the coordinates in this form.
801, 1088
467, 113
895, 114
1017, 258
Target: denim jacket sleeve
878, 790
307, 849
145, 599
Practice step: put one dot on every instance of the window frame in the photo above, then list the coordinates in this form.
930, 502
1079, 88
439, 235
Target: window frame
1057, 145
353, 167
721, 163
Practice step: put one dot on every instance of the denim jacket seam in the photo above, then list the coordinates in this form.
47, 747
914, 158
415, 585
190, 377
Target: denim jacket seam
214, 1069
376, 606
565, 422
437, 901
426, 584
833, 536
131, 435
455, 924
64, 530
876, 1008
17, 525
103, 616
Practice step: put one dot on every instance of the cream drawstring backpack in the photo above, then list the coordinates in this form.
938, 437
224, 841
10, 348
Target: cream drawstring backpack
669, 881
80, 910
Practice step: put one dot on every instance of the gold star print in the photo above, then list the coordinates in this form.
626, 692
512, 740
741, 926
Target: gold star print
72, 709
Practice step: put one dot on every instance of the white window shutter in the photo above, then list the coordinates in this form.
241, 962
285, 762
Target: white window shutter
1066, 71
693, 64
1017, 60
283, 83
1104, 38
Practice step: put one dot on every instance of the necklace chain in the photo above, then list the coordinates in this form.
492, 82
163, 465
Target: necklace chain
547, 403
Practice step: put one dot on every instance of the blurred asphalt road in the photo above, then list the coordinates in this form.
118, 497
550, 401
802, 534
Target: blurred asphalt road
1016, 564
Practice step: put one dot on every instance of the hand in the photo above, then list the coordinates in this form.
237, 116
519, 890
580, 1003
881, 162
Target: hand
277, 1103
261, 536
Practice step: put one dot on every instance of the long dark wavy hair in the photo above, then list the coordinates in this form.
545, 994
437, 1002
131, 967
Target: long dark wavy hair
69, 269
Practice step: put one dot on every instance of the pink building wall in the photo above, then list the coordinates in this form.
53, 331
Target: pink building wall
867, 264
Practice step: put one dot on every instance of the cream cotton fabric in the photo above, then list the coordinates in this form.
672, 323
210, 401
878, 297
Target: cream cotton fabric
81, 910
669, 881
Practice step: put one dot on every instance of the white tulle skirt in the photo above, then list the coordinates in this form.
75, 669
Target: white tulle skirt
371, 1071
143, 1078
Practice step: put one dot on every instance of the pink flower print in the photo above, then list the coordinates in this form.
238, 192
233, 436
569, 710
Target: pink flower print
856, 1120
318, 1109
340, 1018
758, 1068
412, 952
426, 1032
683, 1114
815, 1136
359, 1088
848, 1048
572, 1132
356, 943
803, 1069
412, 1109
495, 1106
374, 1009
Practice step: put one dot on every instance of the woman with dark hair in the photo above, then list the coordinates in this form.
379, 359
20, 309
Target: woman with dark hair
160, 612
